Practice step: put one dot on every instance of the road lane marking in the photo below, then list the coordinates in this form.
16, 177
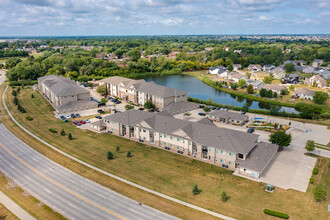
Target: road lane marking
100, 195
47, 191
61, 186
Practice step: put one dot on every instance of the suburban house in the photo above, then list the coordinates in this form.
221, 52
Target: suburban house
234, 76
278, 72
257, 84
304, 93
207, 49
228, 117
173, 54
254, 67
287, 62
317, 80
325, 74
267, 68
218, 70
317, 62
236, 67
64, 94
307, 69
200, 140
291, 78
299, 62
274, 87
140, 91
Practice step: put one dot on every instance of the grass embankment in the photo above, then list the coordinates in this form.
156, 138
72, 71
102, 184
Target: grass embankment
156, 169
30, 204
5, 214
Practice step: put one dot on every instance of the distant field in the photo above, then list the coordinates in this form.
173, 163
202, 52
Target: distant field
162, 171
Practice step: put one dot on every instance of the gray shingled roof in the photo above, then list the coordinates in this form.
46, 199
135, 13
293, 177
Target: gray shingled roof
77, 104
182, 106
205, 121
62, 86
259, 157
115, 80
304, 91
130, 117
158, 90
273, 87
228, 115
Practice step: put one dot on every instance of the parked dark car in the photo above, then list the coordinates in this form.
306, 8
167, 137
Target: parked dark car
76, 123
243, 113
63, 118
201, 106
218, 108
151, 110
141, 109
250, 130
73, 115
100, 111
78, 116
99, 117
118, 102
115, 111
202, 114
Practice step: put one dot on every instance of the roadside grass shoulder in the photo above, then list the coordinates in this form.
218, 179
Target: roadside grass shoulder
156, 169
6, 214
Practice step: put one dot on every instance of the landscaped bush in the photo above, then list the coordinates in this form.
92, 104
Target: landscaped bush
315, 170
275, 213
196, 191
19, 83
29, 118
311, 180
52, 130
319, 192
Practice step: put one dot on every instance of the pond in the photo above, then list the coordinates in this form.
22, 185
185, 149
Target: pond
197, 89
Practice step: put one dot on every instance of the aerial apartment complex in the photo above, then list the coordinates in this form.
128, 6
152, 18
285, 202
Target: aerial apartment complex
64, 94
140, 91
201, 140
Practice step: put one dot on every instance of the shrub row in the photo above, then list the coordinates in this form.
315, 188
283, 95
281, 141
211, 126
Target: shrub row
275, 213
29, 118
52, 130
20, 83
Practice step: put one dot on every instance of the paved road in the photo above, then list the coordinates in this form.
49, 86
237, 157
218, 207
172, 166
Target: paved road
66, 192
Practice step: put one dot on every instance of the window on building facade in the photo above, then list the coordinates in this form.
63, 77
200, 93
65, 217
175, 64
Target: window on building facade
216, 151
222, 152
165, 144
165, 136
231, 154
144, 131
222, 161
171, 145
171, 137
230, 163
178, 139
178, 147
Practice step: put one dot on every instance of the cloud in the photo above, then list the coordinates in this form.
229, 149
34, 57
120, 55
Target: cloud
109, 17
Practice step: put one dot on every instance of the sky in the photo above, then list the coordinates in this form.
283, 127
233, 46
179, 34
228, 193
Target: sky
163, 17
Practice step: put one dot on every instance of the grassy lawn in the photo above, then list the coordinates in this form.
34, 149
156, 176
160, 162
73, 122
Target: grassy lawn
5, 214
159, 170
30, 204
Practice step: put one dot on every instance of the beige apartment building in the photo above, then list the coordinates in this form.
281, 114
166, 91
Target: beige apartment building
64, 94
201, 140
140, 91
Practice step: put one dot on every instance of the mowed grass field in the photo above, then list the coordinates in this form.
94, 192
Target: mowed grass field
165, 172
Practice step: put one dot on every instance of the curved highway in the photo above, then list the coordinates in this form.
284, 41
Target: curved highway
63, 190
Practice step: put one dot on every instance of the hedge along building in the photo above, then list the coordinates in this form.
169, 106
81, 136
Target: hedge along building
201, 140
140, 91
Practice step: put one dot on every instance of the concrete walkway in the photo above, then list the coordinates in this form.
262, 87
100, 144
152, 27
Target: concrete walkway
14, 208
114, 176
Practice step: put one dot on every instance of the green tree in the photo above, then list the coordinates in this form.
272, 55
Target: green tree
250, 89
263, 92
195, 190
291, 87
245, 107
16, 101
310, 146
32, 96
248, 74
289, 67
127, 107
14, 93
224, 196
109, 155
320, 193
269, 93
129, 154
63, 132
117, 148
242, 83
135, 54
70, 136
103, 101
280, 138
207, 109
284, 91
230, 67
320, 97
149, 105
268, 79
102, 90
275, 94
234, 86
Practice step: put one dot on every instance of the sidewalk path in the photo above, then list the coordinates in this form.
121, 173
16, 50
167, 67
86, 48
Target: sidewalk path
14, 208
